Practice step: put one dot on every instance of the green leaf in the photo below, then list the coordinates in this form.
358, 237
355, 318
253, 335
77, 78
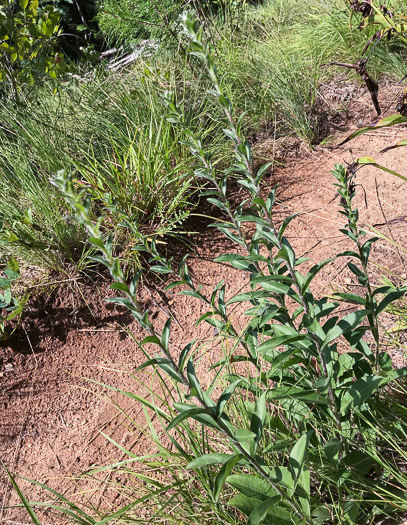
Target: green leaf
223, 474
365, 161
271, 285
332, 449
13, 265
390, 298
272, 343
193, 411
242, 434
361, 390
285, 224
398, 145
120, 286
382, 123
260, 512
345, 325
248, 296
153, 339
282, 476
257, 421
252, 486
193, 381
351, 298
23, 499
226, 395
160, 269
275, 516
184, 354
298, 463
209, 459
165, 335
293, 392
313, 272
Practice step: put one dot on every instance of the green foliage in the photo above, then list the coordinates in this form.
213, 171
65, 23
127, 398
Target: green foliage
304, 435
28, 38
109, 132
129, 21
10, 306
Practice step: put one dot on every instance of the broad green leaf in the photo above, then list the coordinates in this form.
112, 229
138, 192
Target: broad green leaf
242, 434
209, 459
274, 342
260, 512
252, 486
345, 325
400, 373
276, 515
282, 476
361, 390
332, 449
223, 474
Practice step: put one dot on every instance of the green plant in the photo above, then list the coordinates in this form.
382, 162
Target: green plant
290, 429
28, 37
10, 306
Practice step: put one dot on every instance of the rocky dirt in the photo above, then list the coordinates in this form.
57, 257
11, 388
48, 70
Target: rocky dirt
51, 419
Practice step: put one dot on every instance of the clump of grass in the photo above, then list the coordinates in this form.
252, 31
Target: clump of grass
108, 130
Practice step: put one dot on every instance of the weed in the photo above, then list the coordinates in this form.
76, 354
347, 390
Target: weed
304, 434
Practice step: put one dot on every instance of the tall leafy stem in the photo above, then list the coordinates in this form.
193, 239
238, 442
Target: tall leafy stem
250, 181
208, 410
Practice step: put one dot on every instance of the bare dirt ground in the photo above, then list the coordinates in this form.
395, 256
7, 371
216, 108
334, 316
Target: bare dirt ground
51, 419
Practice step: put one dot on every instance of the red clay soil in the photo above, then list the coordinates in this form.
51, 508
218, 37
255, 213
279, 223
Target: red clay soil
51, 418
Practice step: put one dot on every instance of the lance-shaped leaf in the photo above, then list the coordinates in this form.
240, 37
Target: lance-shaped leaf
360, 391
226, 395
257, 421
209, 459
344, 326
223, 474
398, 145
382, 123
369, 161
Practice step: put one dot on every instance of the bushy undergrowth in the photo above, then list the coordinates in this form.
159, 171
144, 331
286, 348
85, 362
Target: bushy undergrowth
108, 128
110, 133
289, 430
